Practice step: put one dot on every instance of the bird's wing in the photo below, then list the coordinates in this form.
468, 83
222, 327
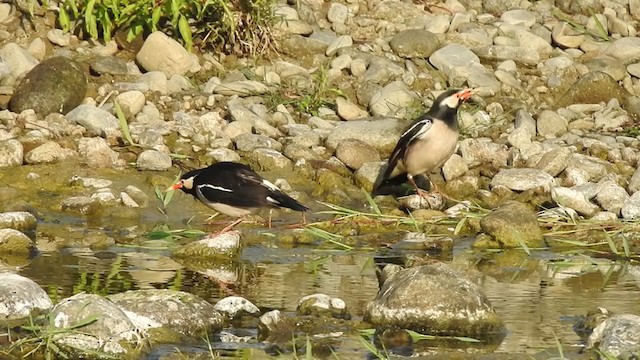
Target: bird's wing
240, 187
414, 132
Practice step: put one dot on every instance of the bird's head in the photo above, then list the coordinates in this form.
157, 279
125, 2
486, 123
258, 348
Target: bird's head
185, 183
453, 98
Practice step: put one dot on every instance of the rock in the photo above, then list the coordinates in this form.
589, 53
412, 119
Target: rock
554, 161
155, 81
127, 201
241, 88
612, 197
250, 142
59, 37
614, 68
11, 153
268, 159
551, 125
631, 208
96, 153
177, 311
348, 110
520, 138
112, 332
323, 305
381, 133
513, 225
97, 121
592, 88
21, 298
565, 36
618, 336
626, 49
161, 53
236, 306
225, 245
525, 120
153, 160
14, 242
131, 102
452, 56
381, 71
58, 84
454, 167
575, 200
82, 205
110, 65
521, 54
367, 175
414, 43
477, 151
19, 220
593, 168
433, 299
338, 13
354, 153
19, 60
519, 17
634, 182
391, 98
523, 179
139, 196
341, 42
423, 242
48, 152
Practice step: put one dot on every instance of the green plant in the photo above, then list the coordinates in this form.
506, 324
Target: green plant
601, 34
237, 25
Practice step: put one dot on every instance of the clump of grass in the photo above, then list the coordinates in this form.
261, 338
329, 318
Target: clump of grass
228, 25
601, 34
307, 101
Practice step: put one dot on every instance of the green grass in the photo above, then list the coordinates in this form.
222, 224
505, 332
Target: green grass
601, 33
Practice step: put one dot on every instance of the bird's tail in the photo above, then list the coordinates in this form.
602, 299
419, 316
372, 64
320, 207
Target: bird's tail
283, 200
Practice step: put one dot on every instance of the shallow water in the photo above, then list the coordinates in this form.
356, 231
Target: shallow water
539, 297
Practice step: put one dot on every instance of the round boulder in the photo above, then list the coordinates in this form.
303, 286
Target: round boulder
21, 297
436, 300
57, 84
414, 43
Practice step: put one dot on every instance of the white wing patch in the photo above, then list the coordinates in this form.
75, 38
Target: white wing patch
423, 125
219, 188
269, 185
272, 200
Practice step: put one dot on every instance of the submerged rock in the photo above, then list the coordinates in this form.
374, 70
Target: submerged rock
14, 242
513, 225
21, 298
177, 311
227, 244
234, 306
110, 332
323, 305
436, 300
618, 336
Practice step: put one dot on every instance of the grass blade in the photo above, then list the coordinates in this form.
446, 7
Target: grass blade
124, 126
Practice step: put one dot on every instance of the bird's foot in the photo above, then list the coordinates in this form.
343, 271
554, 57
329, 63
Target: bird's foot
230, 226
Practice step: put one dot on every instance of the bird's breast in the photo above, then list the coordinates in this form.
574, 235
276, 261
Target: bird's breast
432, 150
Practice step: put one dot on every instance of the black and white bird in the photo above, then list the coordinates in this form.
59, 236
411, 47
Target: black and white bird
426, 144
235, 190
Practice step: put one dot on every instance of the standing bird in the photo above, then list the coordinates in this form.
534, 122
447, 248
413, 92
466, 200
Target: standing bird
235, 190
426, 144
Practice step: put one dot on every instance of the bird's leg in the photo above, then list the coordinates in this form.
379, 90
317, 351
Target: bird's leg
419, 191
230, 226
269, 222
434, 188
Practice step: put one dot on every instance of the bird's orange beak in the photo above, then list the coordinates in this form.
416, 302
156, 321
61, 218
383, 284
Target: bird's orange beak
465, 94
175, 186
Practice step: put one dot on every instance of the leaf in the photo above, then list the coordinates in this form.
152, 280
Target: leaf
124, 126
63, 19
372, 203
185, 32
90, 19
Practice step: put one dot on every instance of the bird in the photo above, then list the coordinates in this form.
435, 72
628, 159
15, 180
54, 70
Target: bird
425, 145
235, 190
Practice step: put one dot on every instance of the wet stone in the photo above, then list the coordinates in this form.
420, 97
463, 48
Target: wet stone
83, 205
223, 245
423, 242
18, 220
617, 336
512, 225
236, 306
21, 298
177, 311
323, 305
15, 242
433, 299
112, 333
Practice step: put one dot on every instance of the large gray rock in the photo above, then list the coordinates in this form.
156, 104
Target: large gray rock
612, 197
452, 56
551, 125
172, 310
48, 152
235, 306
21, 298
161, 53
523, 179
153, 160
391, 98
58, 84
618, 336
354, 153
96, 153
575, 200
554, 161
97, 121
631, 208
11, 153
225, 245
513, 225
18, 220
323, 305
433, 299
19, 60
112, 332
414, 43
381, 133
